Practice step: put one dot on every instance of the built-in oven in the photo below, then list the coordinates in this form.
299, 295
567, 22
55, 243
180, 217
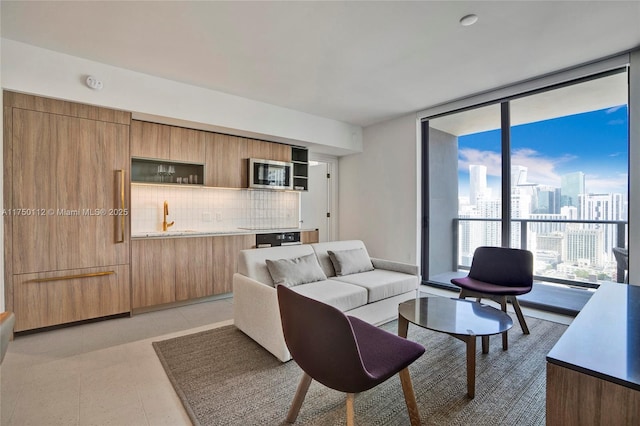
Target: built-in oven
275, 239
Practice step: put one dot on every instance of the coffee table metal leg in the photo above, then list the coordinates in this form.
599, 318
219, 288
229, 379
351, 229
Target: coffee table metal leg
403, 326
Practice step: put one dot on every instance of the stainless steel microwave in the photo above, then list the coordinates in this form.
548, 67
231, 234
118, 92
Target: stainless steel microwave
269, 174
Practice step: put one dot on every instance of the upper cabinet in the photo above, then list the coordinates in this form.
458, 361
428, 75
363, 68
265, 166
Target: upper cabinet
228, 158
152, 140
225, 157
224, 160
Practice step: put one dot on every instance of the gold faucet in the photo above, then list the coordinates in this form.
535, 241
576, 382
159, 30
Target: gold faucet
166, 225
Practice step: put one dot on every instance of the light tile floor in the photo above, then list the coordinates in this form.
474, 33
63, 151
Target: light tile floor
102, 373
107, 373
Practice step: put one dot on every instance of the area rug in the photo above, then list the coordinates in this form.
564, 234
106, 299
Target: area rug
225, 378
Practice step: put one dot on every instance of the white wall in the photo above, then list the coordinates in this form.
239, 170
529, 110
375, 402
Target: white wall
379, 192
34, 70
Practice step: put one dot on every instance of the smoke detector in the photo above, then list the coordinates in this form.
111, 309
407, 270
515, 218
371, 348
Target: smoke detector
94, 83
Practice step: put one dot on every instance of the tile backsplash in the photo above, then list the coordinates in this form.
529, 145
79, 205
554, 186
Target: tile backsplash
212, 209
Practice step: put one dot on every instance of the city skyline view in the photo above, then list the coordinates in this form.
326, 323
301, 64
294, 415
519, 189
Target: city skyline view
595, 143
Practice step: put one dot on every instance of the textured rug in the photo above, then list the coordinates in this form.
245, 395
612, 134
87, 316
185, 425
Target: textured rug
225, 378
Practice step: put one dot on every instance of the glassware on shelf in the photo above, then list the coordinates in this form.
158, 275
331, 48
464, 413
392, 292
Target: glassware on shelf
163, 171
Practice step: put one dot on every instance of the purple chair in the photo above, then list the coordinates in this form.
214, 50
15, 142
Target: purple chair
343, 352
499, 274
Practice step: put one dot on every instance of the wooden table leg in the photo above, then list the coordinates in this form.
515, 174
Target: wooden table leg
485, 344
403, 326
470, 341
471, 366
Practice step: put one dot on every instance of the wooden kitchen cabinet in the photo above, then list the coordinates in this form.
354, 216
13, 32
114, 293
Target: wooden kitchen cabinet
153, 140
68, 176
66, 215
52, 298
153, 272
166, 270
226, 250
268, 150
193, 267
309, 237
150, 140
187, 145
224, 161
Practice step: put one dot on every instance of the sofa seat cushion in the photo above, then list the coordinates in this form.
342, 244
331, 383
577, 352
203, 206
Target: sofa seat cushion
381, 284
338, 294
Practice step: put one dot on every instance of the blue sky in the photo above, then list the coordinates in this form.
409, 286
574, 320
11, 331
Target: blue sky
595, 143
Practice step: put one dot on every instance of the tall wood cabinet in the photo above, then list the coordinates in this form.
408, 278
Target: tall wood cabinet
66, 217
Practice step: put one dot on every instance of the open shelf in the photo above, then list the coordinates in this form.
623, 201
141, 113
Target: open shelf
166, 172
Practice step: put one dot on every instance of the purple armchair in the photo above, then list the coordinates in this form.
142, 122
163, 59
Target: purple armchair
499, 274
343, 352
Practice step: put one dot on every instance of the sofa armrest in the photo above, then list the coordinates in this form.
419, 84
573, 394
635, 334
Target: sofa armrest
257, 314
390, 265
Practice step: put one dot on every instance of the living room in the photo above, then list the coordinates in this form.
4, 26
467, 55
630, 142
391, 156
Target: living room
377, 147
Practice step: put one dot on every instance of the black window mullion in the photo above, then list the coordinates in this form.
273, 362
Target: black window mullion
505, 130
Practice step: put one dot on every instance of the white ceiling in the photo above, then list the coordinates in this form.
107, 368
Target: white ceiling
359, 62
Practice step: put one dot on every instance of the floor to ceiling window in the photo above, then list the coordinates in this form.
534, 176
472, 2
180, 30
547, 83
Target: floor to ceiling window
546, 171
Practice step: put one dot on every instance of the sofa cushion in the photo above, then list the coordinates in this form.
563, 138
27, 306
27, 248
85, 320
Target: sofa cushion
346, 262
338, 294
381, 284
295, 271
323, 257
251, 262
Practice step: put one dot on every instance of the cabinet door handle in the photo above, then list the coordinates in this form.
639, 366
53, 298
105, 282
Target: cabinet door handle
71, 277
121, 216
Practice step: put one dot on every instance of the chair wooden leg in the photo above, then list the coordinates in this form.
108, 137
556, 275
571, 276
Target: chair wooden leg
350, 409
298, 399
410, 397
516, 307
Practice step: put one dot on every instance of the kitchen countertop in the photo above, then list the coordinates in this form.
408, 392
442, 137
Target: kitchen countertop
604, 339
194, 233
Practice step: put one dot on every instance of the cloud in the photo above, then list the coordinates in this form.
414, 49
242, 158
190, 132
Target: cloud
614, 109
597, 184
616, 122
541, 169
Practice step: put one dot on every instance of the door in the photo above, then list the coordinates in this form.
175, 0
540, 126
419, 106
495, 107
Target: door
314, 203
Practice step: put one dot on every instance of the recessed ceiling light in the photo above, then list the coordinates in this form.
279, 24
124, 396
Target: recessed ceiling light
468, 20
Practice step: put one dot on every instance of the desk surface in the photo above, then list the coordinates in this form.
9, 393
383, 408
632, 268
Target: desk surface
604, 339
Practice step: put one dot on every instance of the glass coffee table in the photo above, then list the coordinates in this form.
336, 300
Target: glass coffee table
462, 319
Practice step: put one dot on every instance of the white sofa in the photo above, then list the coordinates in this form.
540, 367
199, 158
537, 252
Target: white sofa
372, 296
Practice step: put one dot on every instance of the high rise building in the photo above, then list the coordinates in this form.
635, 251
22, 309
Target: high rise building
603, 207
477, 182
518, 175
547, 200
571, 186
584, 246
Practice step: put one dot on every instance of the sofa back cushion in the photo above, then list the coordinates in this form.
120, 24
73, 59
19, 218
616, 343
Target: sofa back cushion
252, 262
321, 250
295, 271
352, 261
